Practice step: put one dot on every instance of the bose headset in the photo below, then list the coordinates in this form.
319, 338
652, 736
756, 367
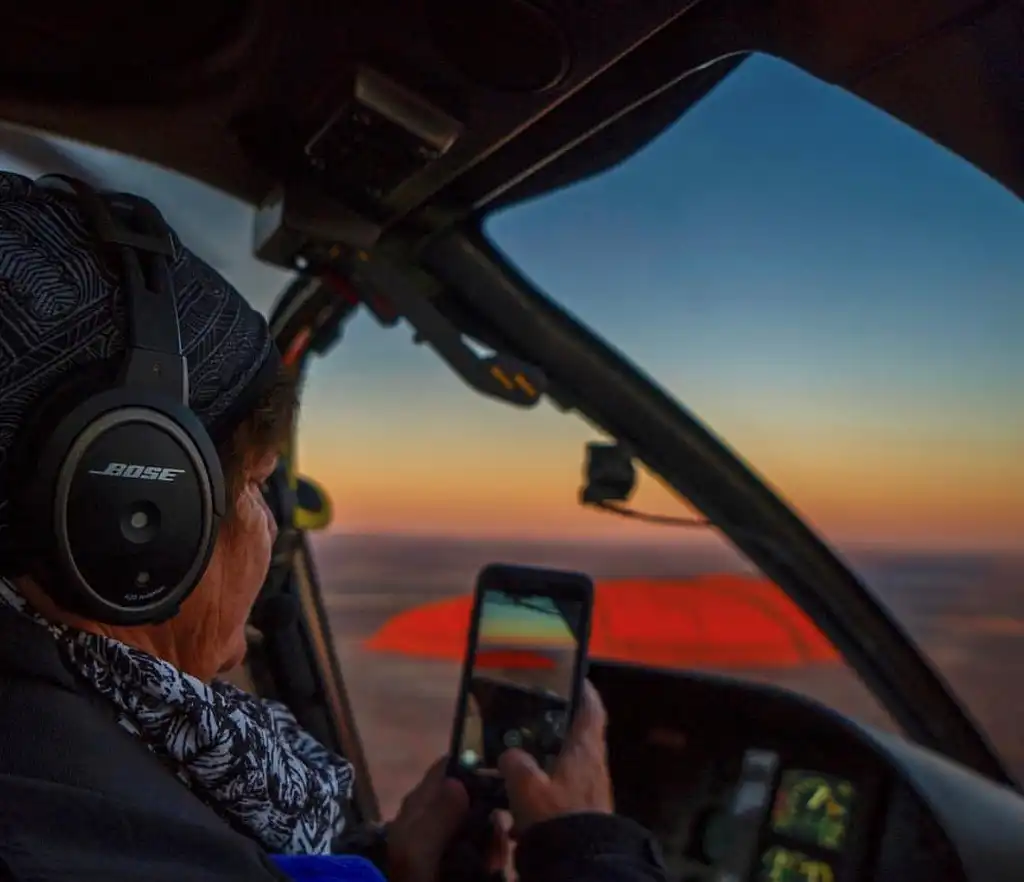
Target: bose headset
123, 492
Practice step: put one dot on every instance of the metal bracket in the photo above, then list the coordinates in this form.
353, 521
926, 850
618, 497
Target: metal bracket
498, 376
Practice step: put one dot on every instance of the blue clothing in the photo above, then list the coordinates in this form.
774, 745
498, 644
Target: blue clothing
327, 868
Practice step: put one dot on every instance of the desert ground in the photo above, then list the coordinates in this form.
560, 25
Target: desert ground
967, 611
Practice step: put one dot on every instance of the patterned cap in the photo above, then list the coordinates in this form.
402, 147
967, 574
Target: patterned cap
61, 309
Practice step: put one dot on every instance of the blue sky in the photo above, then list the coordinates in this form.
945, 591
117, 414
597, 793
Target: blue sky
787, 218
833, 292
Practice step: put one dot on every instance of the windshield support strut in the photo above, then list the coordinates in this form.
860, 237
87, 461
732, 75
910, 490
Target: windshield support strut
610, 392
498, 376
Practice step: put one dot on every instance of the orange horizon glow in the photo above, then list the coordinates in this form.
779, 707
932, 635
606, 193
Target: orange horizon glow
450, 463
912, 506
560, 522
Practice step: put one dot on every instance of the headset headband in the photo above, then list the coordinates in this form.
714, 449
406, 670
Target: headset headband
131, 230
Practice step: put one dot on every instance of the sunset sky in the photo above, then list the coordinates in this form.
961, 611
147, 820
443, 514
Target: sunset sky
504, 622
835, 296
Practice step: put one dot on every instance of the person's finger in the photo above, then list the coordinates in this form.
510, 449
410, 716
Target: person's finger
422, 797
430, 781
586, 739
449, 808
437, 770
518, 768
591, 718
589, 724
525, 782
502, 820
499, 855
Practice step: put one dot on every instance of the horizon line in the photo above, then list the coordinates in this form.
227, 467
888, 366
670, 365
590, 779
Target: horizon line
715, 540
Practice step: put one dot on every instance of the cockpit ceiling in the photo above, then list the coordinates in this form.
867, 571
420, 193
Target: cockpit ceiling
473, 103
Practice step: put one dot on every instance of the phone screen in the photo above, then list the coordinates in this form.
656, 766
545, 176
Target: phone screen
523, 676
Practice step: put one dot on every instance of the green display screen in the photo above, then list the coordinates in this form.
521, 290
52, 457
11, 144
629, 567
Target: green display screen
813, 808
780, 864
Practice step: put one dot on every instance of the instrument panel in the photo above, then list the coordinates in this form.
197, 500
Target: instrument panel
808, 827
771, 822
813, 808
744, 783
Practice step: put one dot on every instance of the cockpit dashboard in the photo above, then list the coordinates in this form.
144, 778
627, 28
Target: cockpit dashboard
742, 782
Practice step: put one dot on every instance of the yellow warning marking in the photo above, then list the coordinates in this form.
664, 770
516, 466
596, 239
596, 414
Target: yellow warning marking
525, 385
500, 376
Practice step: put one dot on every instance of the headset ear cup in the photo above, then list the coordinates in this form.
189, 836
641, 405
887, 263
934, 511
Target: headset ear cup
31, 525
135, 507
75, 529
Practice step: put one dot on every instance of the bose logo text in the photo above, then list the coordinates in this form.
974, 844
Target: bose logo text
139, 472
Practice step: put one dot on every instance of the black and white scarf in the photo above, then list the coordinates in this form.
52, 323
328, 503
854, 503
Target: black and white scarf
246, 757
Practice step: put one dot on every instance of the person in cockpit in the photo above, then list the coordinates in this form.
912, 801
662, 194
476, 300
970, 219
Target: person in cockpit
122, 755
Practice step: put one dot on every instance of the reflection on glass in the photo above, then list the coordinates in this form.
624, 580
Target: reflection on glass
522, 679
813, 808
785, 865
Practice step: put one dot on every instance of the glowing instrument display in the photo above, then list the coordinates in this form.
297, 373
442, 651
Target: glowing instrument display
813, 808
785, 865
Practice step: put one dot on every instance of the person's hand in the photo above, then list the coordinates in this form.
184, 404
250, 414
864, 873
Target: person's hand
579, 780
501, 857
426, 823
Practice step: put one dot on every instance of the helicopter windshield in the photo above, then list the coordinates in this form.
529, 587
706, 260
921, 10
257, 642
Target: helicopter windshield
836, 296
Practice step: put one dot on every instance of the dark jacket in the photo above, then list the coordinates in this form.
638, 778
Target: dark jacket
82, 800
589, 848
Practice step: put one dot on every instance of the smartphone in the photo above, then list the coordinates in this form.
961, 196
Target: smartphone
524, 667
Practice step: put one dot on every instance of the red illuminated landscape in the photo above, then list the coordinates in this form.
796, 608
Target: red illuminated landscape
399, 607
